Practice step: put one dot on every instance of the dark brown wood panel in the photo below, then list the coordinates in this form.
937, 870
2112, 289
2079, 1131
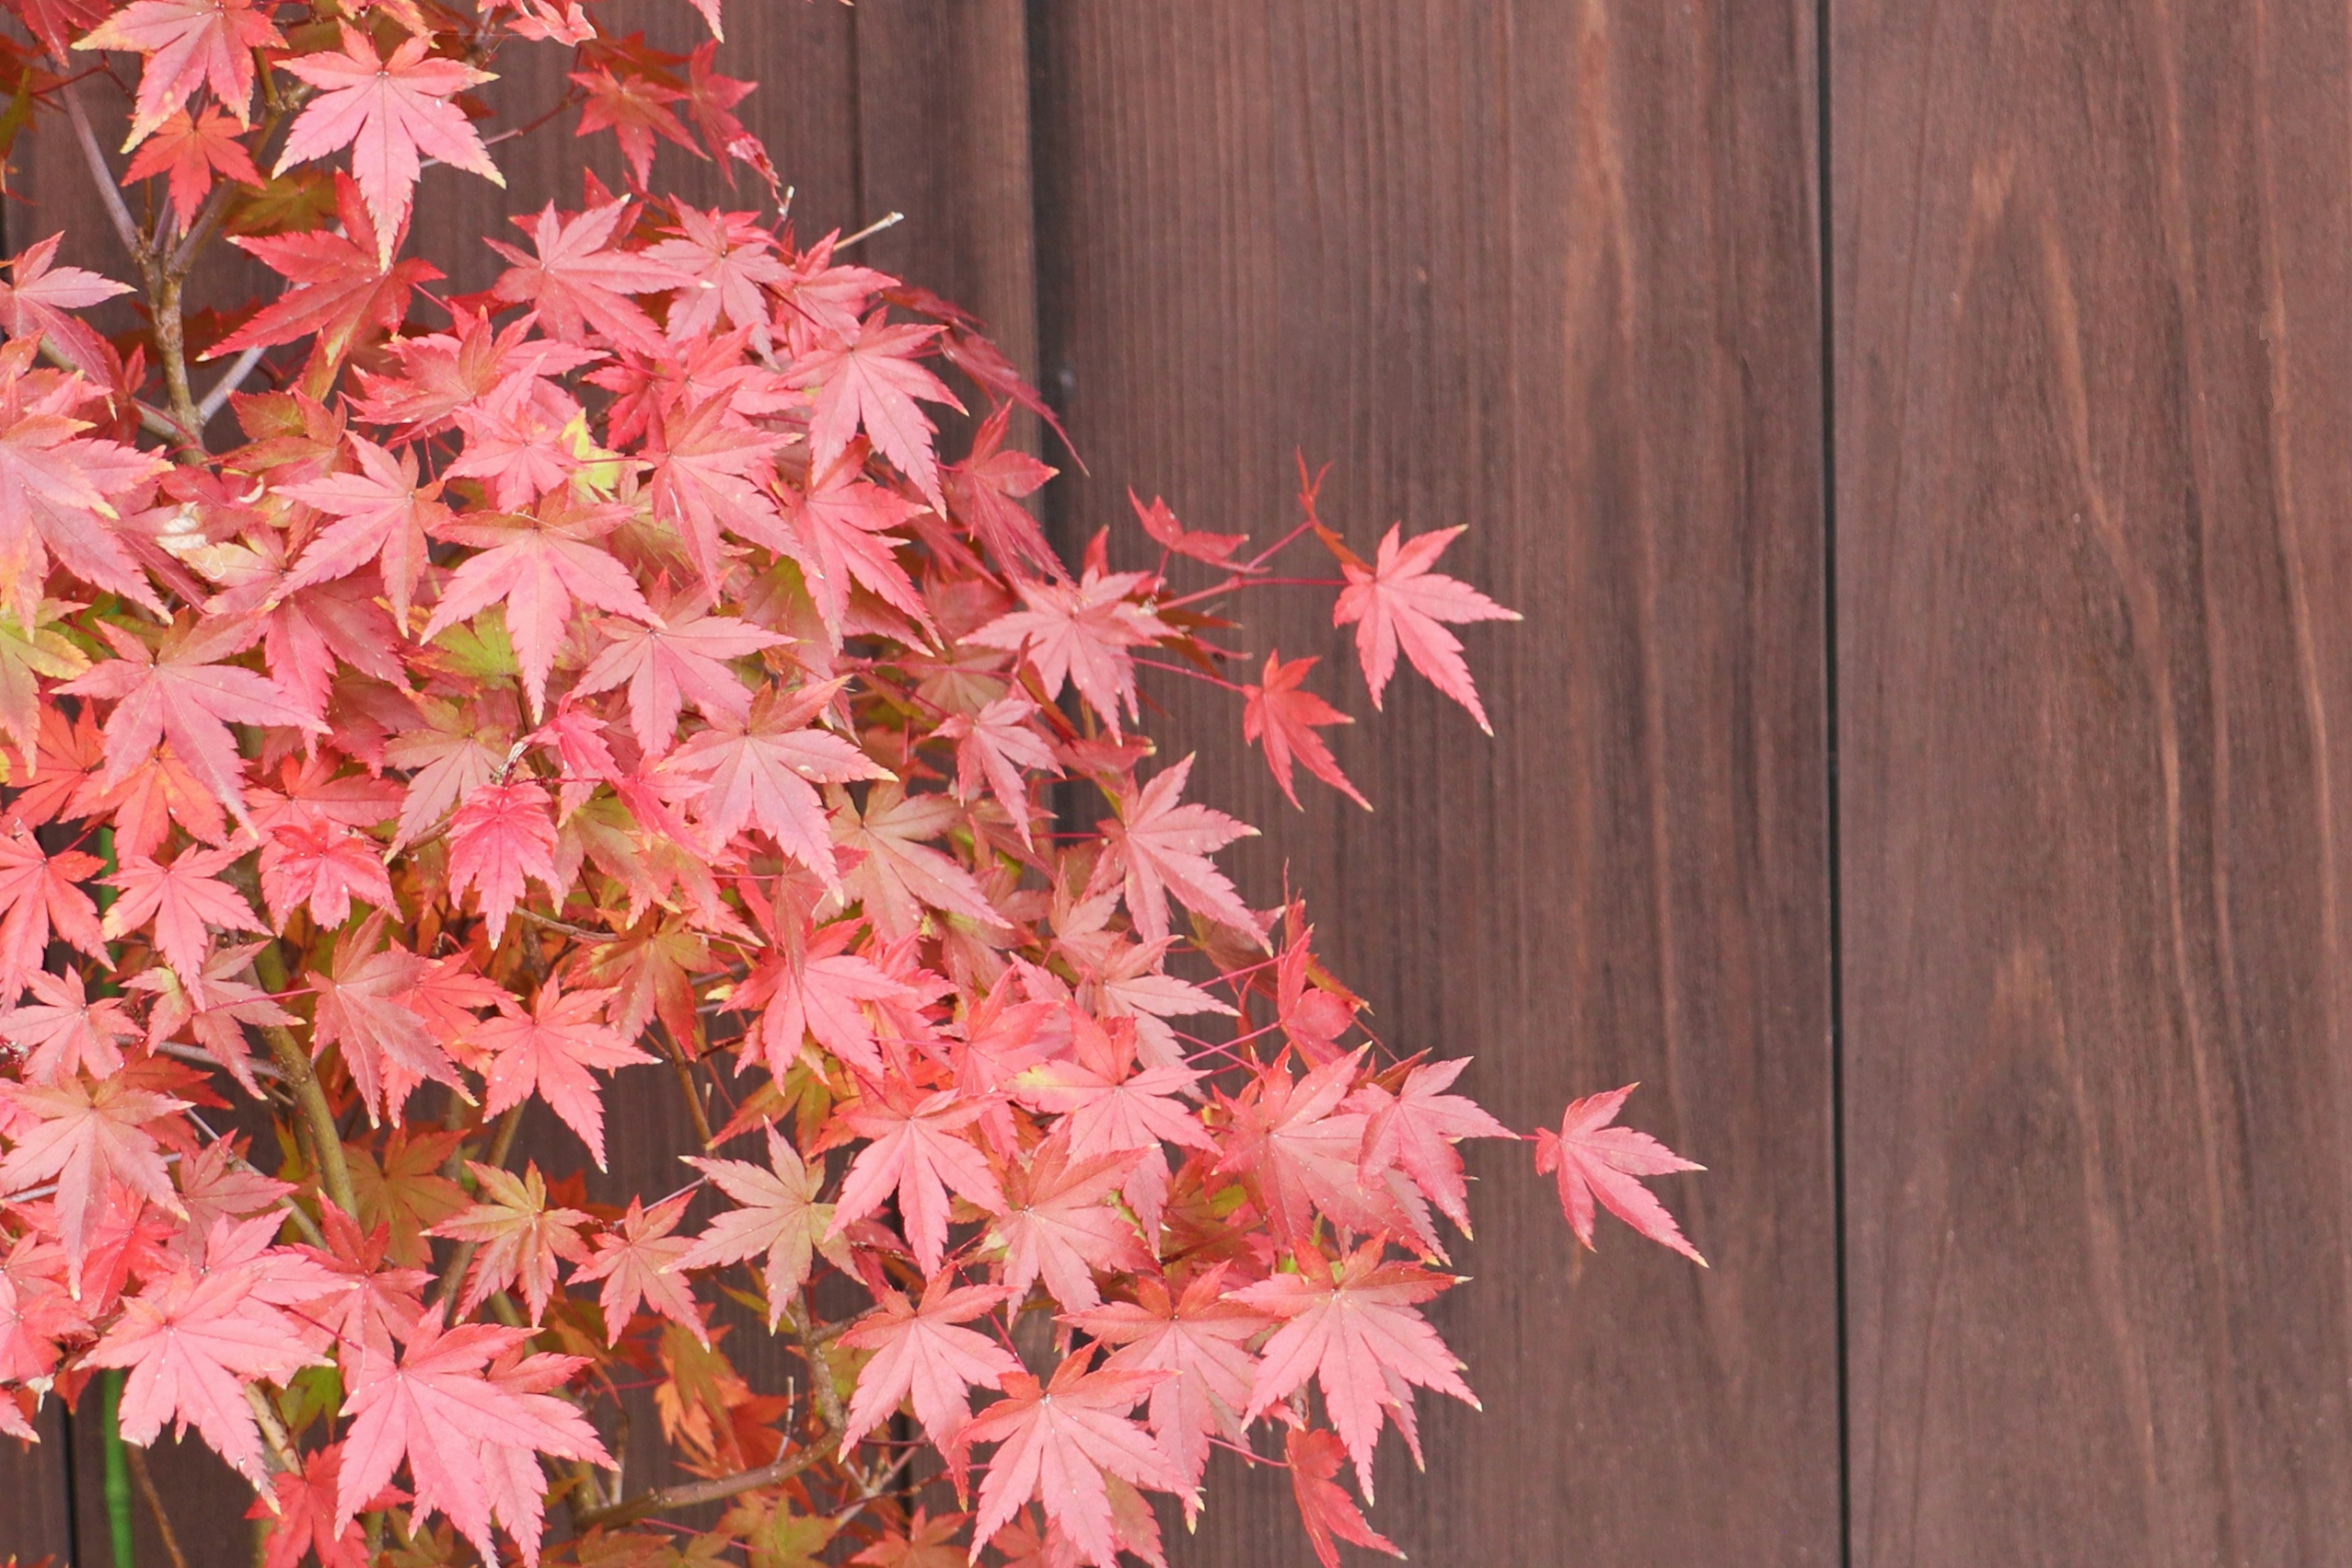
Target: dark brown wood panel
33, 1521
2093, 305
1546, 270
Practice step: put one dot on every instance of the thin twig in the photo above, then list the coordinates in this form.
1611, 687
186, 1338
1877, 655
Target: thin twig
231, 379
661, 1499
126, 228
153, 420
155, 1500
888, 220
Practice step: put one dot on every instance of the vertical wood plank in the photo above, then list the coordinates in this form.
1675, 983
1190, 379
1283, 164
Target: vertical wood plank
1546, 269
2093, 379
34, 1522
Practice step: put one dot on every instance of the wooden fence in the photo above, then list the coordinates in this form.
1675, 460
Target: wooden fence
1926, 762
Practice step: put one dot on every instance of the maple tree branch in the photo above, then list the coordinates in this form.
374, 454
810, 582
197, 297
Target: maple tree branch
661, 1499
137, 1458
153, 420
231, 379
126, 228
318, 1116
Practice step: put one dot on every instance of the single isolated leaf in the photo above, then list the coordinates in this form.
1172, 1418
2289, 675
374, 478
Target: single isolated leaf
388, 112
1593, 1159
1324, 1505
637, 1260
1216, 549
1399, 602
1283, 716
192, 152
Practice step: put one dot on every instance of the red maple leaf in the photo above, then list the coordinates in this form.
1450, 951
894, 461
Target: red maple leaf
182, 899
1162, 848
638, 1259
518, 1236
764, 772
1299, 1150
1399, 602
322, 867
1283, 716
33, 306
1200, 1343
42, 893
1000, 746
1352, 1325
919, 1151
680, 658
194, 1340
1324, 1505
1058, 1442
871, 381
192, 152
1080, 633
840, 531
383, 515
301, 1507
538, 574
823, 992
188, 43
920, 1351
707, 469
500, 836
388, 112
550, 1052
635, 107
65, 1032
1593, 1159
1216, 549
343, 283
364, 1007
179, 694
59, 491
469, 1421
982, 492
1056, 1225
898, 874
779, 1217
578, 283
82, 1136
1416, 1130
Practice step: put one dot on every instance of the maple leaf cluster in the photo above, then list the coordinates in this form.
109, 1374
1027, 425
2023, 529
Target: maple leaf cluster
606, 678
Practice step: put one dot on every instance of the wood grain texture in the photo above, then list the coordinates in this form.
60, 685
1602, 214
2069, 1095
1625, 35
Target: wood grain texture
34, 1522
2096, 686
1546, 270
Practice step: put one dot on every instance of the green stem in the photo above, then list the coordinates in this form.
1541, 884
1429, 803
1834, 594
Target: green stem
118, 1468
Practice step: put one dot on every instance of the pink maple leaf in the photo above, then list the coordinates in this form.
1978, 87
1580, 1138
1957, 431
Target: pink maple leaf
1399, 602
1593, 1159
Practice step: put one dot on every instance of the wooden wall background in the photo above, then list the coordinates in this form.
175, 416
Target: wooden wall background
1921, 764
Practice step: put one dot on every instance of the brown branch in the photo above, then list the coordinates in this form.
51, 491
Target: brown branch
318, 1119
126, 228
146, 1485
661, 1499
